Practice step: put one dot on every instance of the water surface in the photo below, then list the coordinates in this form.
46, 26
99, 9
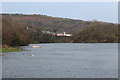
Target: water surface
63, 60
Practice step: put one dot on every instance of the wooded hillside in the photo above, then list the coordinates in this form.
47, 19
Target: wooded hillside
15, 30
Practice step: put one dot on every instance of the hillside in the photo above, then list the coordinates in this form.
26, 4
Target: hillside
48, 22
15, 30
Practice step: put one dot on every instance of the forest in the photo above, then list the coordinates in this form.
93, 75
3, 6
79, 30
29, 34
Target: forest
23, 29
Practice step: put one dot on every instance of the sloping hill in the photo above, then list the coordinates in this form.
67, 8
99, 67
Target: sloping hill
51, 23
15, 30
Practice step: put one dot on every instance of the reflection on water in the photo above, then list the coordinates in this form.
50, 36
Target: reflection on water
63, 60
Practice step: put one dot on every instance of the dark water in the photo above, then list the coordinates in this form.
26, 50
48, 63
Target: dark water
63, 60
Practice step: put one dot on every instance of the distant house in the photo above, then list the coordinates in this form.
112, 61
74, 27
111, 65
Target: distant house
48, 32
63, 34
60, 34
57, 34
28, 27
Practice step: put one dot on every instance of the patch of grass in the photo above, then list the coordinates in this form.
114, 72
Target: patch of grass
5, 50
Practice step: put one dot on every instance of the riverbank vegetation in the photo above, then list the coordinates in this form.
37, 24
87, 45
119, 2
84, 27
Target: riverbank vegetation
21, 29
5, 49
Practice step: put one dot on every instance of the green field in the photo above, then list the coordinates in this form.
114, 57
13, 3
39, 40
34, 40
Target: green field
5, 50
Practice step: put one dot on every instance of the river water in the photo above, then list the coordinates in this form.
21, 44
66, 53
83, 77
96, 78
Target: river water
63, 60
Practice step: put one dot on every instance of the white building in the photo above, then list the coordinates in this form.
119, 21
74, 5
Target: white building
63, 34
67, 34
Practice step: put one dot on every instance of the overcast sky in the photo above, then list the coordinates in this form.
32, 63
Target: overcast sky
101, 11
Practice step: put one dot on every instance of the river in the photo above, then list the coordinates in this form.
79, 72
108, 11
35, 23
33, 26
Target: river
63, 60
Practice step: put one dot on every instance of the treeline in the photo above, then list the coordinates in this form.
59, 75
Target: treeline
16, 33
98, 32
